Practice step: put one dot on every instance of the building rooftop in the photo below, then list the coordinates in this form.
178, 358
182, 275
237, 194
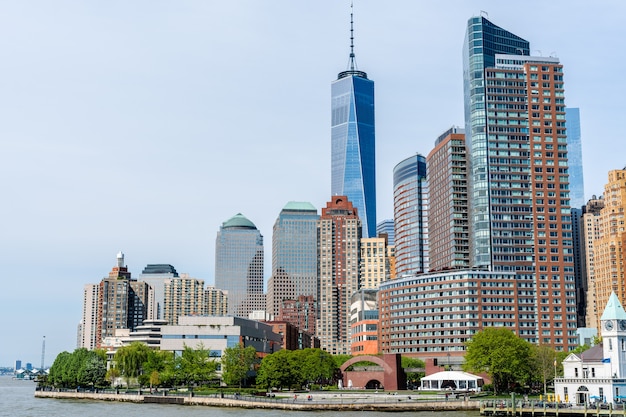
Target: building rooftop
240, 221
299, 206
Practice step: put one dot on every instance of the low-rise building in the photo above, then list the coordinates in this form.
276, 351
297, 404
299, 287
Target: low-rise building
598, 374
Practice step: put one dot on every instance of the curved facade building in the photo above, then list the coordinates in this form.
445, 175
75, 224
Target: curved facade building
239, 265
410, 207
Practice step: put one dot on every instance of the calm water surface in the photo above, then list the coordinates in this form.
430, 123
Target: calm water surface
17, 399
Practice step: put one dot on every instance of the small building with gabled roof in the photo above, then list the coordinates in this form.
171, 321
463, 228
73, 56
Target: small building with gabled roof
598, 374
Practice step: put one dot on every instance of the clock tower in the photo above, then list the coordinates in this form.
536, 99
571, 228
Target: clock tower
613, 331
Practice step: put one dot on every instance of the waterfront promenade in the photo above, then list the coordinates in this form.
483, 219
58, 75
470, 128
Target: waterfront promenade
315, 401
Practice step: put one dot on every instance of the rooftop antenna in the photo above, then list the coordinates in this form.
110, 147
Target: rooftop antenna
352, 61
43, 352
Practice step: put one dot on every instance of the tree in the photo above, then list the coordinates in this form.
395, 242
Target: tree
195, 366
160, 362
130, 359
413, 378
236, 363
544, 362
93, 370
59, 369
318, 366
80, 368
502, 355
275, 371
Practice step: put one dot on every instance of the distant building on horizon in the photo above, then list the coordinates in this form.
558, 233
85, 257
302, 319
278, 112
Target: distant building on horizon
239, 265
353, 149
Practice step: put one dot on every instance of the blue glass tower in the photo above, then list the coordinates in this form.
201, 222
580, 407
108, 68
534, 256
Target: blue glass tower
575, 158
353, 142
483, 40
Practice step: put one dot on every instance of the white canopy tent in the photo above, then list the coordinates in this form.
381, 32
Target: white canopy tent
452, 380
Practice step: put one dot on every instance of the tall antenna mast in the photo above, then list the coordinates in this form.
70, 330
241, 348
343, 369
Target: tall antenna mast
352, 64
43, 352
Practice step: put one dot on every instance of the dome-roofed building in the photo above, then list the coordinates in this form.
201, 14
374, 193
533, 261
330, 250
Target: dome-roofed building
239, 265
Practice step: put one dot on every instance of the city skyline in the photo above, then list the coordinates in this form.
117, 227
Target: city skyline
124, 125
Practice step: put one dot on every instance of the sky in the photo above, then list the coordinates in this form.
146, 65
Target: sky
141, 126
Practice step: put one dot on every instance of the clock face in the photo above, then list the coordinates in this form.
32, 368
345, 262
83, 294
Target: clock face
622, 324
609, 325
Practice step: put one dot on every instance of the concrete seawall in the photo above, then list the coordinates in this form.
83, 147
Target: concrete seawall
361, 403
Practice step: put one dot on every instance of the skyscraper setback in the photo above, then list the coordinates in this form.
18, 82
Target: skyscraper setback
353, 149
519, 179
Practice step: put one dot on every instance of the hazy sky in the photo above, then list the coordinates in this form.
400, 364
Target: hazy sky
142, 125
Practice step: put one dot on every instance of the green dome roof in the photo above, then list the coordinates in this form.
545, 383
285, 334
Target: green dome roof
238, 220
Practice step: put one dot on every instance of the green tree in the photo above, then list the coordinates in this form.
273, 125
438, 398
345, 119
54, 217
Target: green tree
59, 370
161, 362
276, 371
236, 363
502, 355
195, 366
112, 374
130, 359
413, 378
544, 363
92, 371
318, 366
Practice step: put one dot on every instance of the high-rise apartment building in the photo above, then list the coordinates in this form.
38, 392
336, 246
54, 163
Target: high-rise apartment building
155, 276
122, 302
183, 296
448, 217
590, 233
376, 262
519, 182
483, 40
353, 151
410, 207
294, 255
216, 301
609, 249
239, 265
89, 322
339, 236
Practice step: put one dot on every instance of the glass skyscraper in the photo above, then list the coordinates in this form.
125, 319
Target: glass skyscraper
483, 40
353, 171
520, 205
239, 265
294, 255
575, 158
410, 209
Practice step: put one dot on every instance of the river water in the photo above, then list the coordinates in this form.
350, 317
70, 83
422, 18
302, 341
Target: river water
17, 399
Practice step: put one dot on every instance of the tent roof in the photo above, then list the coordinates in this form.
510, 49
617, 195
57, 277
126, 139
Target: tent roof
452, 376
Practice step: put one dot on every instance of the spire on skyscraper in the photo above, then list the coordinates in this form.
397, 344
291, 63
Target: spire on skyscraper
352, 61
352, 66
